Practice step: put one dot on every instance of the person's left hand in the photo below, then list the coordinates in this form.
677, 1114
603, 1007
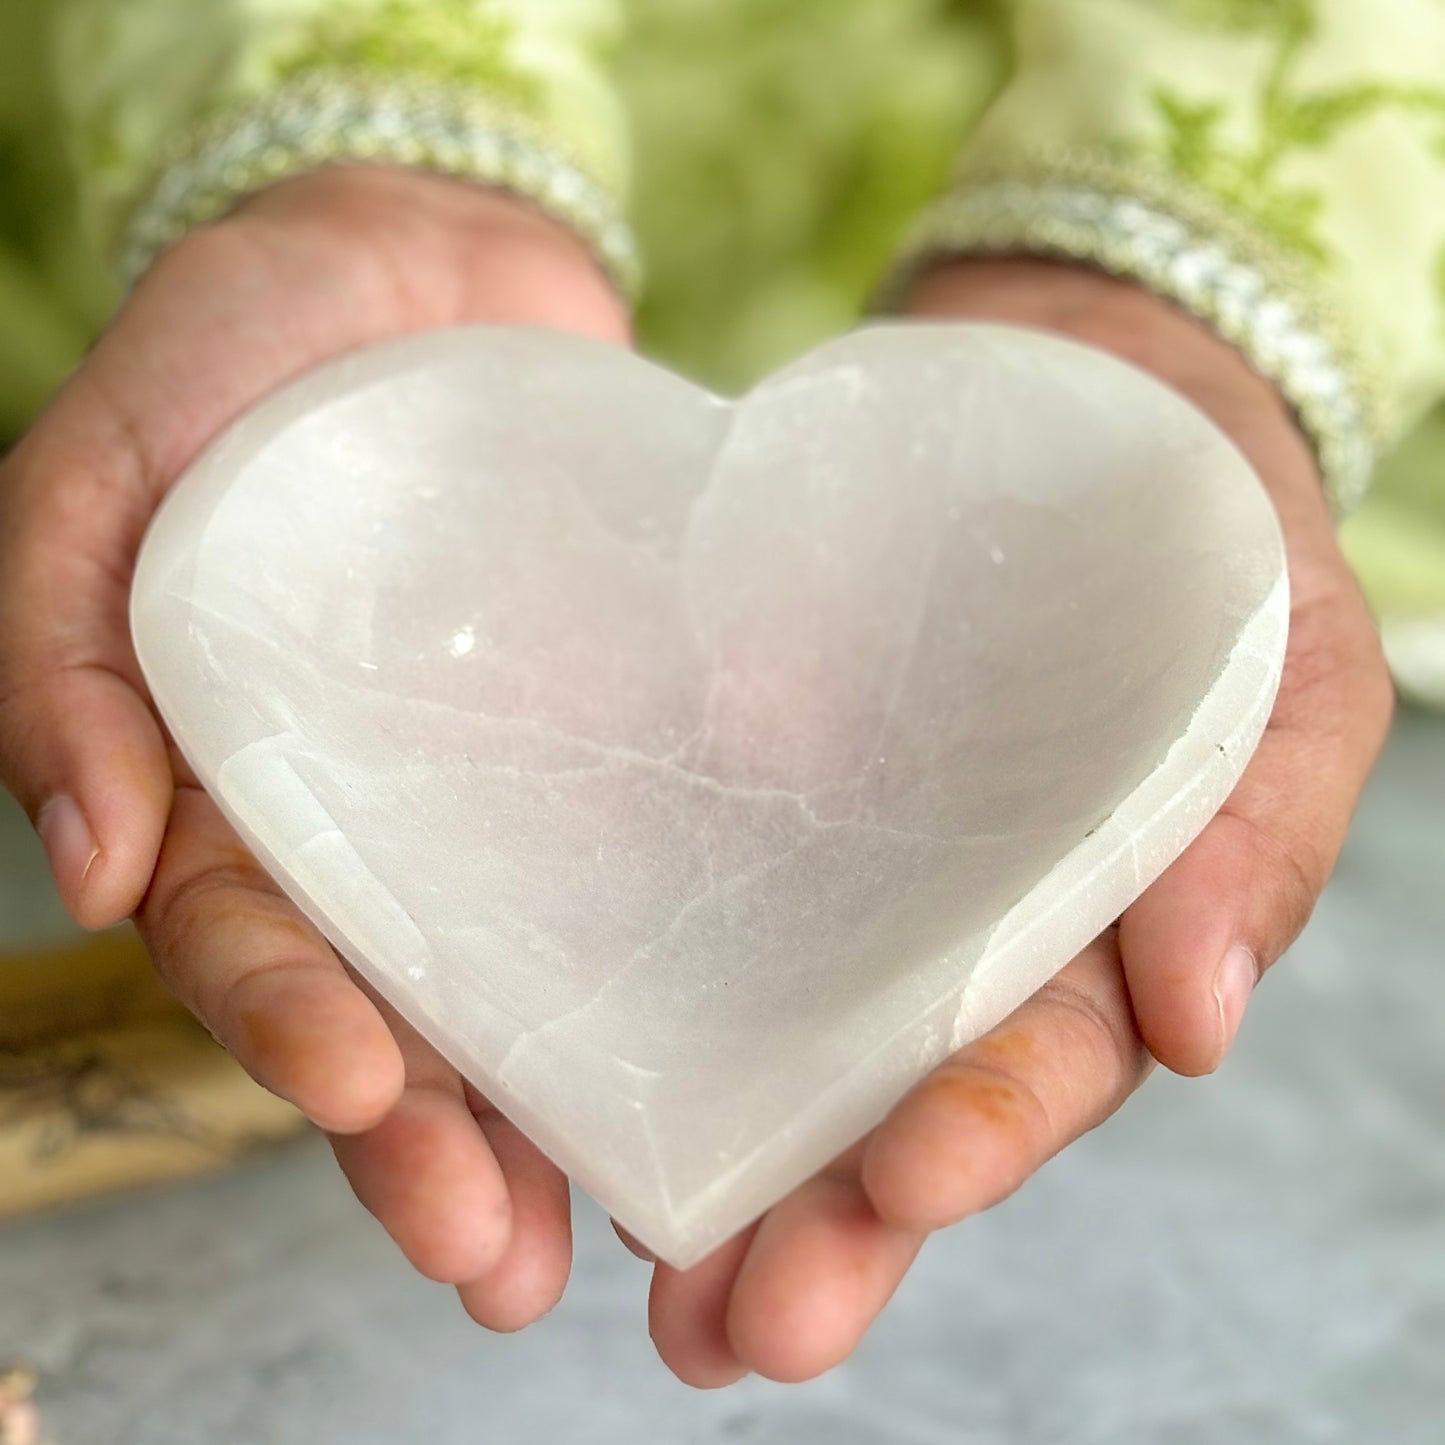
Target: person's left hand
792, 1296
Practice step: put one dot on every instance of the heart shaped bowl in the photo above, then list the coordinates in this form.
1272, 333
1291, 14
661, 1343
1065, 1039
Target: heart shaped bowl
696, 775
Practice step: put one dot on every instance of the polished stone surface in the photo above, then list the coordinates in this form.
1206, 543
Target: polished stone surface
698, 775
1256, 1259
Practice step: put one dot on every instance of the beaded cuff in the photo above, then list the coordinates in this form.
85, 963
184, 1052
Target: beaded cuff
1179, 244
328, 119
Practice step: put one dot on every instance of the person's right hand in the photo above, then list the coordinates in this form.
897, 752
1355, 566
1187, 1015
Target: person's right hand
311, 268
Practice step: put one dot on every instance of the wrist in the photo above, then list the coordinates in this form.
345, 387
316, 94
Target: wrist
437, 244
1150, 332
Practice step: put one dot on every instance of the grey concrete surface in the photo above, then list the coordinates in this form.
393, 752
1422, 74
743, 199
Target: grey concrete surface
1256, 1259
31, 914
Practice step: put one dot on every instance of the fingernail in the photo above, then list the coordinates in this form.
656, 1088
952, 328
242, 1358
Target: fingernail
69, 844
1233, 985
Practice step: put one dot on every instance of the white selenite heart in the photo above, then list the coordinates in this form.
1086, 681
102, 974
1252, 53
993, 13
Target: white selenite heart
696, 775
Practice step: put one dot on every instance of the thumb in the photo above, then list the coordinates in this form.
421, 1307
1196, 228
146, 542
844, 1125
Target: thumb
1196, 942
79, 746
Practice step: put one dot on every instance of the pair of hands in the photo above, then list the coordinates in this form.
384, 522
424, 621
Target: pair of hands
325, 263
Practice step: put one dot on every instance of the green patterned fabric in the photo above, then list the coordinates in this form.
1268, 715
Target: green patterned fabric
772, 153
1321, 123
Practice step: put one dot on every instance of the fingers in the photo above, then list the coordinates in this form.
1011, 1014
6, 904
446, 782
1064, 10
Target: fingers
687, 1316
427, 1173
1195, 944
983, 1122
529, 1277
261, 978
820, 1268
633, 1245
403, 1130
791, 1297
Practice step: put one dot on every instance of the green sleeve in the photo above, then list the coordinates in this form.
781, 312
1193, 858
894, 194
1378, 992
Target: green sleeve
1285, 161
176, 108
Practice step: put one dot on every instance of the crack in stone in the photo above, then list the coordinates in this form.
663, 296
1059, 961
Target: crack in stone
905, 667
649, 946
